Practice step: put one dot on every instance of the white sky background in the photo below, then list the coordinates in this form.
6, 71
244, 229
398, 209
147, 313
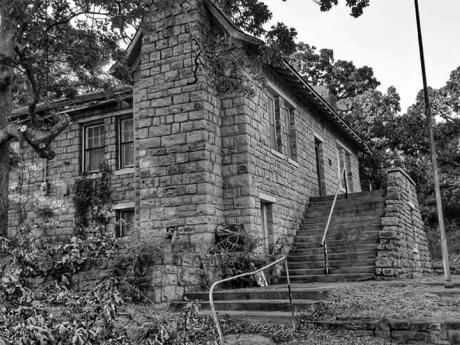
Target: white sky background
384, 38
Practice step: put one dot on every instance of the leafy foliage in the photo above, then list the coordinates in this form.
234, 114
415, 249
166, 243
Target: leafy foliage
357, 6
39, 306
237, 252
343, 79
92, 199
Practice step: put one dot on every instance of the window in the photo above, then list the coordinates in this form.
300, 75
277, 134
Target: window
344, 161
124, 223
319, 165
15, 161
272, 122
267, 224
288, 114
94, 146
126, 143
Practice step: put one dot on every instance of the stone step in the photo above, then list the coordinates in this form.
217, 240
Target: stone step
342, 249
255, 305
333, 264
275, 292
331, 278
357, 240
364, 255
332, 270
351, 196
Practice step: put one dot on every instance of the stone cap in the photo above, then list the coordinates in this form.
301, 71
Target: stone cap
403, 172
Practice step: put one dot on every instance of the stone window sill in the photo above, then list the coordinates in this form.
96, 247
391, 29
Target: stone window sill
277, 154
124, 171
293, 162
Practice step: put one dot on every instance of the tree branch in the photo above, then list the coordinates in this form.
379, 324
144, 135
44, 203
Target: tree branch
10, 131
41, 140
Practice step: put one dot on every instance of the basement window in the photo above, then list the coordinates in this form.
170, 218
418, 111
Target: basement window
124, 223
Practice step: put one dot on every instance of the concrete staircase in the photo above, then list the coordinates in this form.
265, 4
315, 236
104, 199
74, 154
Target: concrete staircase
352, 243
352, 239
259, 304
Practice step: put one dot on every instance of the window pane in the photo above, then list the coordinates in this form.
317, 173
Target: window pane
127, 130
271, 121
125, 222
127, 155
287, 117
93, 159
95, 136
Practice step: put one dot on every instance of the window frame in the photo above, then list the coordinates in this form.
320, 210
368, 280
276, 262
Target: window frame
85, 149
271, 110
120, 143
120, 228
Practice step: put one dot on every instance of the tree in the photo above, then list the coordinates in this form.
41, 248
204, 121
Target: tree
343, 79
357, 6
49, 48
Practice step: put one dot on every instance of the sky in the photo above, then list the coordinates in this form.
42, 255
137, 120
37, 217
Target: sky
384, 38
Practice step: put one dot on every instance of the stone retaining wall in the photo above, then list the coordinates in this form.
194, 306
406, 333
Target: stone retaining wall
165, 279
403, 248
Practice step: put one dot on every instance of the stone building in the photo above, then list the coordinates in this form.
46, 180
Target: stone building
186, 158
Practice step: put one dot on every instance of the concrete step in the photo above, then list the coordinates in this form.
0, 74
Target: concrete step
333, 264
346, 228
342, 249
364, 255
339, 236
274, 292
331, 278
341, 219
351, 196
355, 241
351, 207
254, 305
332, 270
280, 317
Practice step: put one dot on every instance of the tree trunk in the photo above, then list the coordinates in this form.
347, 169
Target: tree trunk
5, 112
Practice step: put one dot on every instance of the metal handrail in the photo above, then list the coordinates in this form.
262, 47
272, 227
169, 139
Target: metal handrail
211, 290
328, 223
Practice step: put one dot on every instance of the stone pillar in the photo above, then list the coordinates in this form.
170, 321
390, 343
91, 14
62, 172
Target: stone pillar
403, 247
177, 126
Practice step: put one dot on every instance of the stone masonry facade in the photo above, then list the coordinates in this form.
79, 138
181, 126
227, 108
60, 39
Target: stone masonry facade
202, 159
403, 248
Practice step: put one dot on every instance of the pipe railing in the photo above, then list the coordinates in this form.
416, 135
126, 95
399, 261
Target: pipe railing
211, 291
329, 218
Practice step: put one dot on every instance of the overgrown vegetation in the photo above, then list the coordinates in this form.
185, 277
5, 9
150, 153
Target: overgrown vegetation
40, 305
238, 252
378, 300
92, 200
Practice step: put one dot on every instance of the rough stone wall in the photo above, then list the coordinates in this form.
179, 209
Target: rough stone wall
177, 126
403, 247
167, 279
274, 177
27, 196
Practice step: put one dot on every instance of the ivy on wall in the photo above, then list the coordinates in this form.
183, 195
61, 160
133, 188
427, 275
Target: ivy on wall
93, 202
